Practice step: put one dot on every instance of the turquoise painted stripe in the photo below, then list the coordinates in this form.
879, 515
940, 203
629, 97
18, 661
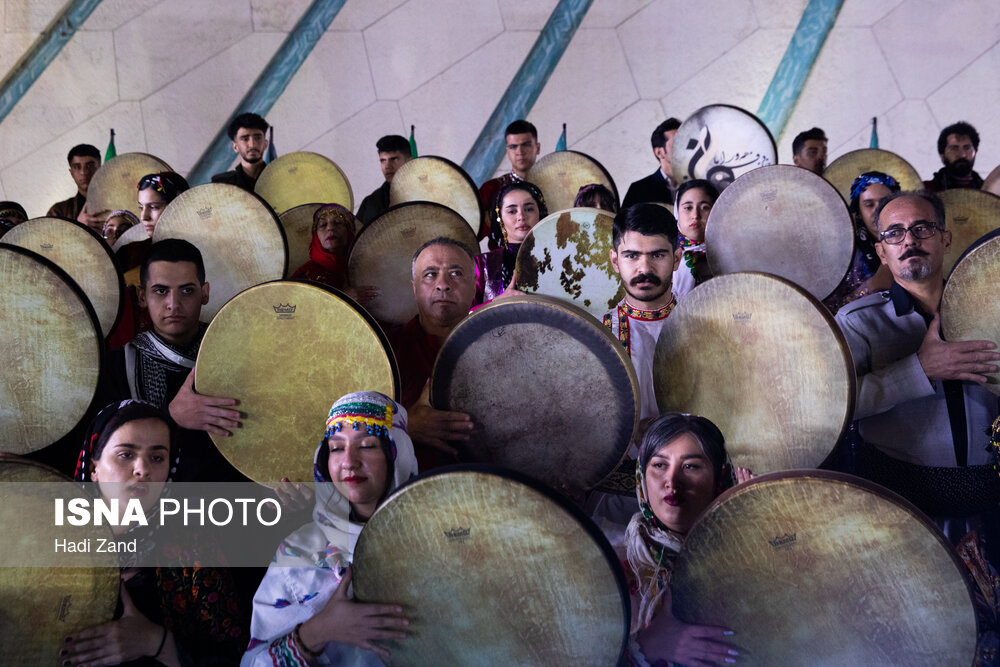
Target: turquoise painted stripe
45, 49
270, 84
800, 57
486, 154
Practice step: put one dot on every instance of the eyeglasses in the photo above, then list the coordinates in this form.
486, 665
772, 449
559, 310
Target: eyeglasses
920, 230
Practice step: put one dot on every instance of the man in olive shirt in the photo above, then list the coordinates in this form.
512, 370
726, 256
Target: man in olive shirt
84, 160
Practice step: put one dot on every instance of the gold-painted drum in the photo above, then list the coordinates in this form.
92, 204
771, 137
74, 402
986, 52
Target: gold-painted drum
492, 569
842, 172
720, 143
51, 352
827, 569
302, 178
115, 185
785, 221
969, 215
992, 182
567, 256
521, 367
560, 176
383, 254
970, 309
439, 180
41, 606
240, 239
131, 235
83, 255
287, 351
297, 223
766, 362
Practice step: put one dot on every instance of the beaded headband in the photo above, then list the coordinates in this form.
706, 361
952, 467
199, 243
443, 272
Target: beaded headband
376, 418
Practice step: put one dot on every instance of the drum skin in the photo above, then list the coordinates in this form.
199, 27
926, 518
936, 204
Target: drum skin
240, 239
439, 180
302, 177
992, 182
823, 568
287, 351
527, 370
842, 172
41, 605
83, 255
114, 185
763, 360
561, 174
131, 235
969, 306
969, 215
785, 221
567, 256
491, 569
51, 352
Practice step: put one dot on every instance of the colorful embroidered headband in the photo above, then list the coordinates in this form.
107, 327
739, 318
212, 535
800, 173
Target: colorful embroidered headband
376, 417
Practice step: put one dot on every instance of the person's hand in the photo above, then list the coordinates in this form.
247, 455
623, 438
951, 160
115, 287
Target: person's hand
963, 360
93, 220
130, 637
293, 497
363, 294
668, 638
348, 622
194, 411
435, 428
743, 475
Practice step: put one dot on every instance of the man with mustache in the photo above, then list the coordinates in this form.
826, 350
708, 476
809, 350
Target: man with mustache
957, 145
247, 134
922, 412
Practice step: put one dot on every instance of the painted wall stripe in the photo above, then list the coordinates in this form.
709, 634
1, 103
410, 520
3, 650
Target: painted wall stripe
270, 84
45, 49
800, 57
486, 153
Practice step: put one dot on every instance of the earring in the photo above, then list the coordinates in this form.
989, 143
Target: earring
503, 230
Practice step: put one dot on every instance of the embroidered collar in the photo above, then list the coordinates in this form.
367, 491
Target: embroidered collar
686, 243
638, 314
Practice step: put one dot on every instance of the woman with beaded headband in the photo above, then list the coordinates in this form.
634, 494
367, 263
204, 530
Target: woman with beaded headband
303, 612
332, 239
693, 201
155, 191
866, 275
519, 207
682, 467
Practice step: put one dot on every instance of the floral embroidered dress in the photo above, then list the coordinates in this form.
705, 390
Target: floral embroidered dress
693, 270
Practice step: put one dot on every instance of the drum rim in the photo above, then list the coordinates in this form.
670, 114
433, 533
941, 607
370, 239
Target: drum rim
343, 174
895, 155
463, 173
420, 202
607, 174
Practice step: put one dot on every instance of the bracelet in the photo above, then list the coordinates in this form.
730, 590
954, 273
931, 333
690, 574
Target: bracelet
297, 638
162, 642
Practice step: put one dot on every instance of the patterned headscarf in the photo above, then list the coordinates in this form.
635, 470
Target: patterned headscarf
168, 183
129, 216
862, 182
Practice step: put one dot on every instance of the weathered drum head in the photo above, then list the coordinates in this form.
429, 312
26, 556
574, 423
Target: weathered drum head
302, 178
842, 172
720, 143
51, 352
560, 176
825, 568
992, 182
115, 184
969, 215
297, 223
970, 309
83, 255
383, 254
240, 239
567, 255
439, 180
543, 357
518, 576
287, 351
785, 221
763, 360
41, 606
131, 235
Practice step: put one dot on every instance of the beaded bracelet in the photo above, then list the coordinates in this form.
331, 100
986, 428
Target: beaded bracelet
297, 638
162, 642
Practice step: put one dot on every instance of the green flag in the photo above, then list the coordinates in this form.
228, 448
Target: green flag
874, 140
561, 144
111, 152
413, 142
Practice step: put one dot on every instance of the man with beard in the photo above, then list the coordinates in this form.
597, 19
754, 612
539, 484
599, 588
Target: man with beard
922, 412
247, 134
809, 150
957, 146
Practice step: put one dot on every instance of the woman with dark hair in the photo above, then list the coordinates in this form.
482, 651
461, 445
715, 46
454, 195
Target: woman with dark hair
184, 615
116, 224
332, 239
682, 467
155, 192
302, 612
519, 207
595, 195
692, 204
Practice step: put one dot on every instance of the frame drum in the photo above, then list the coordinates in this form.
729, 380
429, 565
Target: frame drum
992, 182
969, 215
720, 143
382, 255
492, 569
567, 255
302, 178
114, 185
131, 235
561, 174
842, 172
83, 255
287, 351
969, 306
785, 221
51, 352
766, 362
439, 180
525, 369
240, 239
824, 568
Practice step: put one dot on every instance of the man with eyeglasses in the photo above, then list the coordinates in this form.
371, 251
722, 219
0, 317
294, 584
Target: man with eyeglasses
84, 161
922, 412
